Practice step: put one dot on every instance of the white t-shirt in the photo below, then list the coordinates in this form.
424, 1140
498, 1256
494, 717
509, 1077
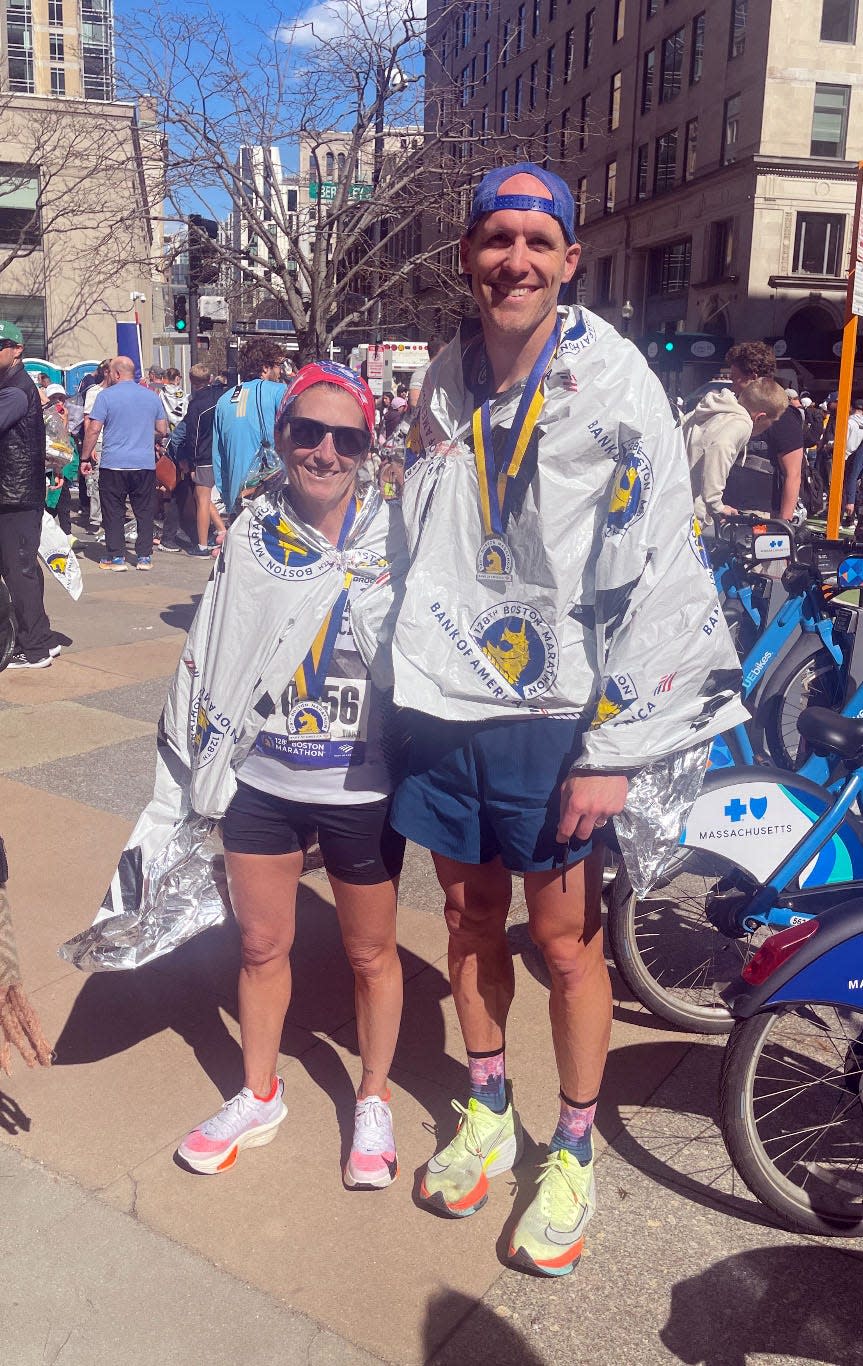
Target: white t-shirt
329, 749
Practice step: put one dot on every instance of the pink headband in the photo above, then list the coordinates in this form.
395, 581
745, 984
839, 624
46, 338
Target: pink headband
329, 372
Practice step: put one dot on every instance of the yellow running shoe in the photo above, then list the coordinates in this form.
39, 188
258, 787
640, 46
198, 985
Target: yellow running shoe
549, 1236
485, 1144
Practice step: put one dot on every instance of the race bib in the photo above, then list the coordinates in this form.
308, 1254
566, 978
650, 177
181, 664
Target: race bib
330, 731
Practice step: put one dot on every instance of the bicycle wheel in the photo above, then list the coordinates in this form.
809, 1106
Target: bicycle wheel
791, 1112
674, 961
814, 681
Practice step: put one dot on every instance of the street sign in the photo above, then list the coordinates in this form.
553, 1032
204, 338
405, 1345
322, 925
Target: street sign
326, 190
213, 306
375, 372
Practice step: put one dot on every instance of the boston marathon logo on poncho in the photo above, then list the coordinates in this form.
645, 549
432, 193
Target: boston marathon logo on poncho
520, 645
280, 548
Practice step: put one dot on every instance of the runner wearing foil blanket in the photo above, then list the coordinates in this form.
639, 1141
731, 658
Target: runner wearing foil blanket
558, 633
272, 728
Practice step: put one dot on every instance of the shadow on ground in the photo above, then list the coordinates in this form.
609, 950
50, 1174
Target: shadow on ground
188, 991
791, 1303
481, 1335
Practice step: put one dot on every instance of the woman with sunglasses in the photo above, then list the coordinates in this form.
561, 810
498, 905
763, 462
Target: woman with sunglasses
316, 765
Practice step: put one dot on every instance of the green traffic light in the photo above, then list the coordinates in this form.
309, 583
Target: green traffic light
180, 325
669, 346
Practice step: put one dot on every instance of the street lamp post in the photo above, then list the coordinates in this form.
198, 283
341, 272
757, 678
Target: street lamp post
627, 312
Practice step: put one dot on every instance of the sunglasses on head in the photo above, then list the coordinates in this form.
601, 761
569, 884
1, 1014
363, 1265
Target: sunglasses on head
7, 345
307, 434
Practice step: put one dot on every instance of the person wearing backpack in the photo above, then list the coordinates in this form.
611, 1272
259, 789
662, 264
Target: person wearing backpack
245, 417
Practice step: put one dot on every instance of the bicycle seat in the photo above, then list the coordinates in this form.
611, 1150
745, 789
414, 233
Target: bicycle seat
829, 733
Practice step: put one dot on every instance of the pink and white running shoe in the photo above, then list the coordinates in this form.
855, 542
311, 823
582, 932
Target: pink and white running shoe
243, 1122
373, 1162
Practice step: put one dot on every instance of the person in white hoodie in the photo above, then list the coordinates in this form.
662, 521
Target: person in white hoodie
716, 433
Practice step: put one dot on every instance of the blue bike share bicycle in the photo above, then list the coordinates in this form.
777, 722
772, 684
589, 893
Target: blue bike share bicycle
791, 1091
680, 946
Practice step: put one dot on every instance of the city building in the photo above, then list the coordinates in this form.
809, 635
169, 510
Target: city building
711, 149
80, 184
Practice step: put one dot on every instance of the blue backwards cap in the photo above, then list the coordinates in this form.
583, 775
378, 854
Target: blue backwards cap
559, 203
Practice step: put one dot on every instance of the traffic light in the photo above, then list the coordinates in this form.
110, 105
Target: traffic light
204, 260
670, 343
181, 317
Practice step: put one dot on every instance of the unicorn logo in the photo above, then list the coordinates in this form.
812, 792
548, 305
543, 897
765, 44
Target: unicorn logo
494, 561
630, 492
282, 550
308, 720
618, 693
520, 645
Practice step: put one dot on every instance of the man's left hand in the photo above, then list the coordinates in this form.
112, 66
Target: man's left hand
587, 800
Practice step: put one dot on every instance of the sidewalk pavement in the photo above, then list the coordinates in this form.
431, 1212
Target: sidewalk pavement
111, 1251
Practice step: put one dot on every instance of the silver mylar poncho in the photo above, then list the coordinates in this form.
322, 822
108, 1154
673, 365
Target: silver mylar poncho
600, 601
271, 590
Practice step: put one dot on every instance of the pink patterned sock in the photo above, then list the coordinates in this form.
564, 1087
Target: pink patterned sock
488, 1079
574, 1129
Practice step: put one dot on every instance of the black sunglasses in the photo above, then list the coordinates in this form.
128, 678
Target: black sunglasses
307, 434
6, 345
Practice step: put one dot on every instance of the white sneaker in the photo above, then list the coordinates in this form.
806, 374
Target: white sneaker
243, 1122
373, 1163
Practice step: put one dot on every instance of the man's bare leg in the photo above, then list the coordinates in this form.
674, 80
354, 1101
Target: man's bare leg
488, 1140
567, 927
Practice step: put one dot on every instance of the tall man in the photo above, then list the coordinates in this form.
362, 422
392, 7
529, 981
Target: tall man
22, 497
556, 579
130, 419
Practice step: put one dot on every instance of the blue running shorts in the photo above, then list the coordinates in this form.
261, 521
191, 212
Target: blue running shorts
473, 790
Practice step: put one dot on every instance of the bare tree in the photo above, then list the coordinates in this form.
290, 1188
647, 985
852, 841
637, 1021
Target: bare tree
380, 242
76, 205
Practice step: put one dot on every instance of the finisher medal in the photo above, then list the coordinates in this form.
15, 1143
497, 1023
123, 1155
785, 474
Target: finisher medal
494, 558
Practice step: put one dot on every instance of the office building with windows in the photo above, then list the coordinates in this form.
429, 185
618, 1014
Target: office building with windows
81, 177
711, 148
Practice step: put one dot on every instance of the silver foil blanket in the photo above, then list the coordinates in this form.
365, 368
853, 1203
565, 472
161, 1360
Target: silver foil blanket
659, 800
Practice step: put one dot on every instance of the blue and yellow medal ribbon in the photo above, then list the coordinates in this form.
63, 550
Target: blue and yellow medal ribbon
311, 676
495, 484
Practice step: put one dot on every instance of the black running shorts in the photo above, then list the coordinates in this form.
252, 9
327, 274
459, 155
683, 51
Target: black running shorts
358, 844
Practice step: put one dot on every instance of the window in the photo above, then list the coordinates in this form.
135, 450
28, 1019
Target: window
564, 136
610, 186
569, 54
604, 279
619, 20
672, 63
97, 49
583, 118
731, 130
669, 268
737, 30
483, 123
641, 171
651, 6
28, 313
549, 72
330, 171
443, 49
665, 166
552, 11
537, 18
614, 92
58, 80
546, 144
55, 47
534, 84
838, 21
464, 95
504, 111
720, 249
647, 80
504, 48
589, 25
581, 200
517, 95
830, 120
690, 149
340, 164
519, 30
56, 52
696, 61
19, 207
19, 42
486, 61
55, 12
818, 243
